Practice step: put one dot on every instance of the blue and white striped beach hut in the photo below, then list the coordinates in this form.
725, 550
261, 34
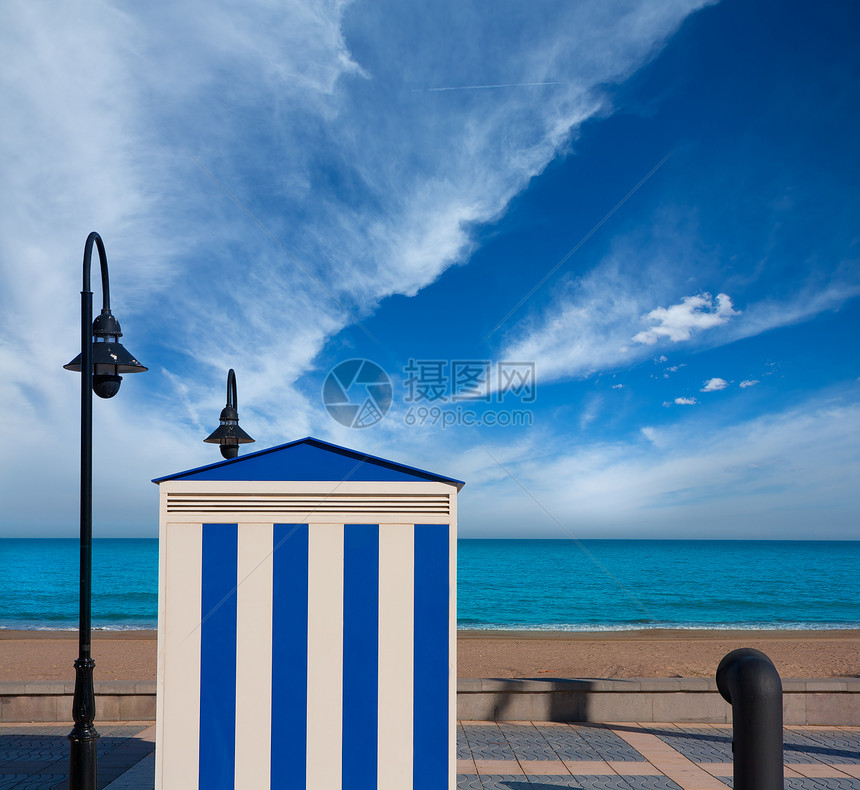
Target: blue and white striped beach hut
307, 624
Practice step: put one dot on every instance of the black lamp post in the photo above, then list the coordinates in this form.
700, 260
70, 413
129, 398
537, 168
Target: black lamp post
228, 434
101, 361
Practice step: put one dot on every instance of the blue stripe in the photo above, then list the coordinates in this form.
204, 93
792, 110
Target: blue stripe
289, 656
360, 655
218, 657
430, 681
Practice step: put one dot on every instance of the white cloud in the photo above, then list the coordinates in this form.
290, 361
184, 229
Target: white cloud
694, 313
715, 384
808, 301
591, 412
685, 401
316, 119
748, 383
587, 327
764, 478
651, 434
674, 369
617, 386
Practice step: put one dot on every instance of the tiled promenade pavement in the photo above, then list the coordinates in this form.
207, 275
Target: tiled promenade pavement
503, 756
542, 756
36, 756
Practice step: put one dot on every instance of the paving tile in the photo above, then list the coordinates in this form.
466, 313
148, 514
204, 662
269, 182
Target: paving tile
819, 770
717, 769
527, 742
651, 783
820, 784
567, 743
30, 755
543, 768
833, 747
468, 782
547, 782
505, 782
44, 731
607, 744
828, 783
589, 768
123, 730
608, 782
32, 766
463, 751
138, 777
487, 742
495, 767
35, 782
700, 745
631, 768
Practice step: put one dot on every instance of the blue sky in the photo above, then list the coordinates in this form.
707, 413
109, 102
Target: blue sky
652, 205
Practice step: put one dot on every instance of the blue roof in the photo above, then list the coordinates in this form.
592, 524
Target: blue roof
310, 459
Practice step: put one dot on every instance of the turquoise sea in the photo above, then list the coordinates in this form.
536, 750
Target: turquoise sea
504, 584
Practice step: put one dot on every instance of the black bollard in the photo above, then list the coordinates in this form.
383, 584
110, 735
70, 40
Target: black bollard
749, 682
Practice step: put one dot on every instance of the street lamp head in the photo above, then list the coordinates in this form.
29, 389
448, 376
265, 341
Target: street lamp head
228, 434
110, 358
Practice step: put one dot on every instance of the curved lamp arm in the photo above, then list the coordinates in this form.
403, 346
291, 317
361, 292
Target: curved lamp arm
94, 238
103, 362
231, 389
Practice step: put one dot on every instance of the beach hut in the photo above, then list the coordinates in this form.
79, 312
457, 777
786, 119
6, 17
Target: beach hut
306, 623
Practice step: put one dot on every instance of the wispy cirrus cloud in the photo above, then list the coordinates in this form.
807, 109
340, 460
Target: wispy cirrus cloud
308, 117
594, 323
687, 479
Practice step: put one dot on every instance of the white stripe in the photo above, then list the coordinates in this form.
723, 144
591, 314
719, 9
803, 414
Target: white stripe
325, 656
396, 617
254, 656
181, 705
452, 649
162, 597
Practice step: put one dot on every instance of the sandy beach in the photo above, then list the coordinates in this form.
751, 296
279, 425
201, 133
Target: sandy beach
131, 655
652, 653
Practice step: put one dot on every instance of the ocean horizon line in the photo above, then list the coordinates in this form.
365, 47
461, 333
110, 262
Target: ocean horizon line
562, 539
525, 628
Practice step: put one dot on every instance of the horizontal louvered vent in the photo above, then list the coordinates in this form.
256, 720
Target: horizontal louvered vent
430, 504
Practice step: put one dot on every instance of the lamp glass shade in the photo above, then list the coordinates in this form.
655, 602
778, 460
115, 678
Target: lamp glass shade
112, 354
228, 434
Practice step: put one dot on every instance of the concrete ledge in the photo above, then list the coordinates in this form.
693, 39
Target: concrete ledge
814, 701
52, 702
